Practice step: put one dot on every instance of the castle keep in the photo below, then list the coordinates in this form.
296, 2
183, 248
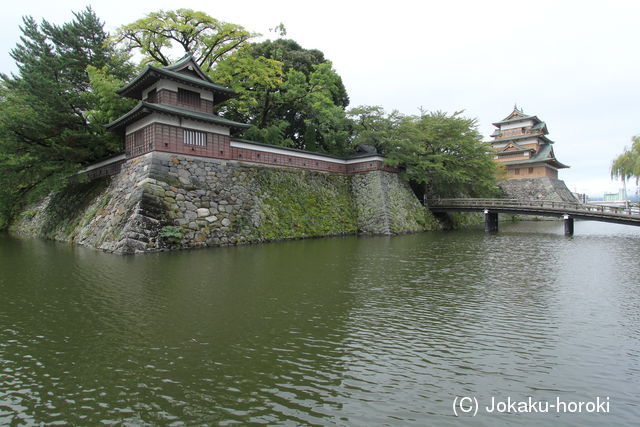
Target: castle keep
523, 147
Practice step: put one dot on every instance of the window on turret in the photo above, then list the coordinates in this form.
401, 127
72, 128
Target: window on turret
193, 137
188, 98
152, 96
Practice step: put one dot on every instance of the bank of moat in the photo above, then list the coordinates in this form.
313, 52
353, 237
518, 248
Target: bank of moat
163, 201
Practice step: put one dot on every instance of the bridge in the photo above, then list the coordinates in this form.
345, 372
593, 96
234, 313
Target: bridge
566, 210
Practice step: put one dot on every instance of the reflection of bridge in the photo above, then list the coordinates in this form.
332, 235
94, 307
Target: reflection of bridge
568, 211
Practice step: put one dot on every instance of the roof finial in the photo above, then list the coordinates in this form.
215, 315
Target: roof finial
515, 107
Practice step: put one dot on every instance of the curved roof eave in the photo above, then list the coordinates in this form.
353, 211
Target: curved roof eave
146, 108
152, 74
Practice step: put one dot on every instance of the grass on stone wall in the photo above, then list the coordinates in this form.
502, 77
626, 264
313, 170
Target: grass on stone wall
67, 209
299, 204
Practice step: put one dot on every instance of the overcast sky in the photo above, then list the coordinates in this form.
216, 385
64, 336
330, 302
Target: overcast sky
574, 64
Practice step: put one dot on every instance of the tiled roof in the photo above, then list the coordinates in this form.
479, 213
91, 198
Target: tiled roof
544, 155
146, 108
152, 74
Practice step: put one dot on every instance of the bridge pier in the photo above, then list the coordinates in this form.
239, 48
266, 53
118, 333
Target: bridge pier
568, 225
490, 221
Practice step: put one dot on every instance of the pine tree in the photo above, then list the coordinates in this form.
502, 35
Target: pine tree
45, 132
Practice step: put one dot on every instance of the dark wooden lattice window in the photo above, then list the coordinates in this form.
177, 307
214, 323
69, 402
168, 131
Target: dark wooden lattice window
188, 98
152, 96
140, 142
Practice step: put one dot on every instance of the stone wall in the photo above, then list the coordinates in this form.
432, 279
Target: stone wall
543, 188
164, 201
386, 205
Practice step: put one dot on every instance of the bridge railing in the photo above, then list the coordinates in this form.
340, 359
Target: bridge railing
566, 207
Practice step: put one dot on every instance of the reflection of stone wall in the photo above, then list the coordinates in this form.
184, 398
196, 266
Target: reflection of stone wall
537, 189
168, 201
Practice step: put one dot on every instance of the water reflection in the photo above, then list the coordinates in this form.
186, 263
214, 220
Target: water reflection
330, 331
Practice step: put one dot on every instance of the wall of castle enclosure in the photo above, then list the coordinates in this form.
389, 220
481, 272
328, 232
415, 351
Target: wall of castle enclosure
168, 138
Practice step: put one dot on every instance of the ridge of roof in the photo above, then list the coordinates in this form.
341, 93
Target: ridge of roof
184, 62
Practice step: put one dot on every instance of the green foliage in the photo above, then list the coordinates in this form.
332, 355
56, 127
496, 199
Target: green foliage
273, 134
292, 96
249, 76
91, 213
302, 204
65, 212
171, 234
627, 164
442, 155
207, 38
107, 104
372, 126
45, 131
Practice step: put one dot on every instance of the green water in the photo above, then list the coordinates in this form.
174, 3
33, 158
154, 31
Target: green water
340, 331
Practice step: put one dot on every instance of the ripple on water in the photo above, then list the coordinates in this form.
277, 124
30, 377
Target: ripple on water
336, 331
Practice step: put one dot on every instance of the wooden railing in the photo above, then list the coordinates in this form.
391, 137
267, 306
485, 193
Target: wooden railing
533, 205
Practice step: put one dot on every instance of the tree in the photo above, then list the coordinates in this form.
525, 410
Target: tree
301, 105
627, 164
208, 39
45, 130
295, 57
372, 126
442, 155
292, 96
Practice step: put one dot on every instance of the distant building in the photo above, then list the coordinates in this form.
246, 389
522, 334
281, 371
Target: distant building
621, 195
582, 197
523, 148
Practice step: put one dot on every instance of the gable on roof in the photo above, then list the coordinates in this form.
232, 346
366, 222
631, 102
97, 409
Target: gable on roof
188, 73
188, 65
516, 113
512, 146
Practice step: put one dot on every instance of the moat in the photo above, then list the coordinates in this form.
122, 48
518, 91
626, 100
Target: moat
346, 331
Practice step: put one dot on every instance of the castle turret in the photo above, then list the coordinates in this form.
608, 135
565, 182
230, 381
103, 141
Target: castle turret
523, 147
176, 113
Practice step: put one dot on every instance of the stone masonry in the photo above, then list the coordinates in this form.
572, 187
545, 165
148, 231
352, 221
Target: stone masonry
163, 201
543, 188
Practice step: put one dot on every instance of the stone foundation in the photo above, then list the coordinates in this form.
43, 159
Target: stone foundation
543, 188
162, 201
